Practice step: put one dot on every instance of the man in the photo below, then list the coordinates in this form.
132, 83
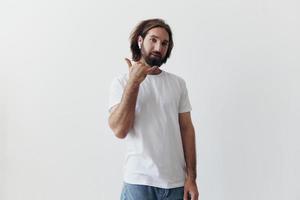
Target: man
150, 108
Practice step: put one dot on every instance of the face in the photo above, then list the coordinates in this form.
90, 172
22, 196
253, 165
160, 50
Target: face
155, 46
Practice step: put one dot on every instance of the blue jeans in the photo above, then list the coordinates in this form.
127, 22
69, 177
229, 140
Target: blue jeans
144, 192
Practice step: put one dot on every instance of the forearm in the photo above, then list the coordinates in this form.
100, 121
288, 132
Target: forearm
189, 147
122, 118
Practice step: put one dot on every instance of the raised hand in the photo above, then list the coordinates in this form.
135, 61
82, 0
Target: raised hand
138, 71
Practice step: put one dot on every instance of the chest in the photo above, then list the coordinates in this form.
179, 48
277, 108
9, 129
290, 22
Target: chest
159, 94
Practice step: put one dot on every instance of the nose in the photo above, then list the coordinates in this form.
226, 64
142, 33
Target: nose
158, 47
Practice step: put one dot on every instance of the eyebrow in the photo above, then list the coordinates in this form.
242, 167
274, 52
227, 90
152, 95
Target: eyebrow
154, 36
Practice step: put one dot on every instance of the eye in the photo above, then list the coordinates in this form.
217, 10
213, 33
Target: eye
153, 39
165, 44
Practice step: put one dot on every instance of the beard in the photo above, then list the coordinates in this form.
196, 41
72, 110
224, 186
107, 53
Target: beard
152, 58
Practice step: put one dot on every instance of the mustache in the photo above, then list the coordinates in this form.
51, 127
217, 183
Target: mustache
155, 53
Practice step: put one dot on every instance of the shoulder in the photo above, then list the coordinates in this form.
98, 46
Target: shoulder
175, 77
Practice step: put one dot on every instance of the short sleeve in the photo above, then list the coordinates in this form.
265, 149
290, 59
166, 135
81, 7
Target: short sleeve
115, 93
184, 104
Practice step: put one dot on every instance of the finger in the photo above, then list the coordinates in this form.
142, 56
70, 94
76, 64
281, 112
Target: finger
139, 62
150, 70
185, 195
128, 62
193, 196
197, 196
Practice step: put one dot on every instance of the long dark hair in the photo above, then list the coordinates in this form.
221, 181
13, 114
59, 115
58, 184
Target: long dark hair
141, 30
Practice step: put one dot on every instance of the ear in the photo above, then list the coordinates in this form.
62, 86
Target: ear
140, 41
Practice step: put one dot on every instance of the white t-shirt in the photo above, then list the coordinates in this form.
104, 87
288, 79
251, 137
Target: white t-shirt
154, 154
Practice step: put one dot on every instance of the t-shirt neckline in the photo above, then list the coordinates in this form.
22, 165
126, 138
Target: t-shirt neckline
156, 75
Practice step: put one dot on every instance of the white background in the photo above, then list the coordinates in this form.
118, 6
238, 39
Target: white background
240, 60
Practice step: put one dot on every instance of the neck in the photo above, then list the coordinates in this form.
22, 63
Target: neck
156, 71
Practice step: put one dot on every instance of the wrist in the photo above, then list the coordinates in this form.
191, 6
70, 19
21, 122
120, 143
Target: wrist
191, 177
133, 84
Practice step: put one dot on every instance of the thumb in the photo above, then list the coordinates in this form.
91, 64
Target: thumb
128, 62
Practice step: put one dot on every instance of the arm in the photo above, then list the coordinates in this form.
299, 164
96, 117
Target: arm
122, 117
189, 148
